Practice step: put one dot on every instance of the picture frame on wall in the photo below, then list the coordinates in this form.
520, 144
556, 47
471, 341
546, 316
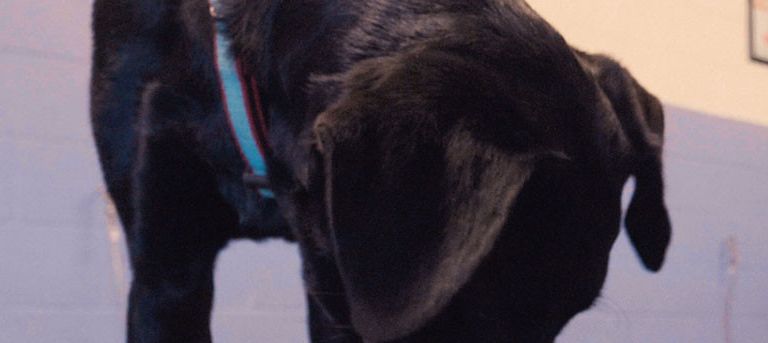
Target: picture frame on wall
758, 30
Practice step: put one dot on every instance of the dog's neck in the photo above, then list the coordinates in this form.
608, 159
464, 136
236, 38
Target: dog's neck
250, 25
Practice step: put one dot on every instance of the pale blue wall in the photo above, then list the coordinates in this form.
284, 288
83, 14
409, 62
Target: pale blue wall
717, 187
60, 278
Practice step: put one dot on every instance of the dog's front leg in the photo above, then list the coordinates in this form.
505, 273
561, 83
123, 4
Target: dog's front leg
181, 223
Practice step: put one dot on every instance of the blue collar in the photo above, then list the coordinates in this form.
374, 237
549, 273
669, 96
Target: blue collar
243, 109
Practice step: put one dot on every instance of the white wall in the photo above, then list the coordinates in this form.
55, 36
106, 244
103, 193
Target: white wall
690, 53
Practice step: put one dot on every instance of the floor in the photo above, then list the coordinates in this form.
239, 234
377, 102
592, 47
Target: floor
63, 274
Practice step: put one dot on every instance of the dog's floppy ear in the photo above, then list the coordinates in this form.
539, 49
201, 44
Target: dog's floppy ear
415, 199
642, 120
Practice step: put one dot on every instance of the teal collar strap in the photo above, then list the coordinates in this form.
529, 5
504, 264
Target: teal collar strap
242, 106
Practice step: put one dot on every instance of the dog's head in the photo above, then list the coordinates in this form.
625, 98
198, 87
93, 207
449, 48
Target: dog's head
433, 164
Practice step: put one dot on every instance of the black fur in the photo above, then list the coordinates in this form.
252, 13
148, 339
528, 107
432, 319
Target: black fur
452, 170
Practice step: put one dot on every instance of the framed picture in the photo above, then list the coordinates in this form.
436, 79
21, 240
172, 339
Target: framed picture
758, 30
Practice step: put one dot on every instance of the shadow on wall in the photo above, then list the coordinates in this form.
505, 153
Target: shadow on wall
65, 265
712, 288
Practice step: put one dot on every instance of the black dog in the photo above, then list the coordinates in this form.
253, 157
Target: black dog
451, 169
